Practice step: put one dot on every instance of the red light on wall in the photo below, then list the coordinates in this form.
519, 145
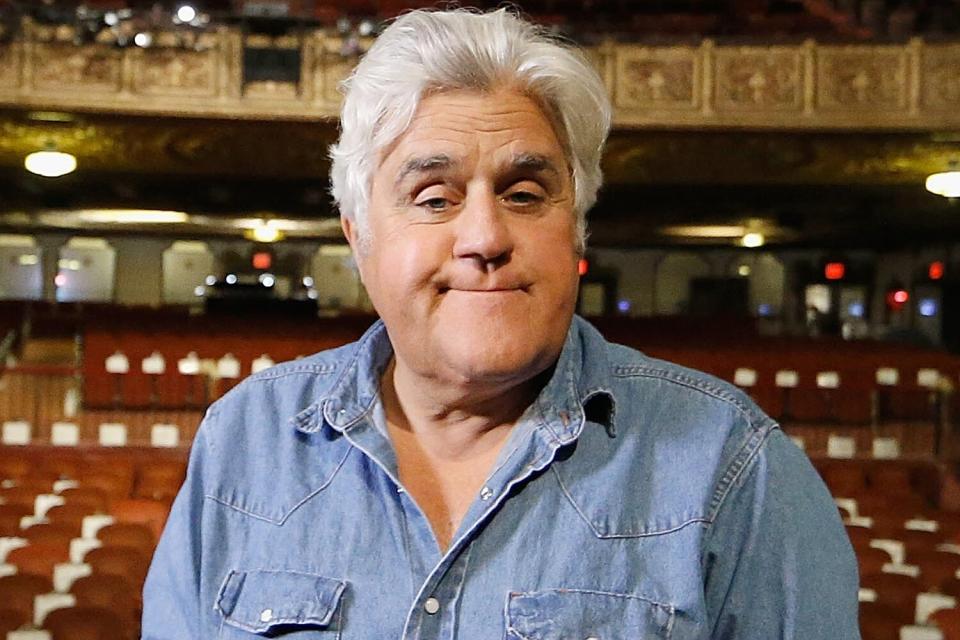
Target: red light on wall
936, 270
834, 270
896, 298
583, 266
262, 260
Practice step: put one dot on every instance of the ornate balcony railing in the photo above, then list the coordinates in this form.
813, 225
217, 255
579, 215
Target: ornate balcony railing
912, 86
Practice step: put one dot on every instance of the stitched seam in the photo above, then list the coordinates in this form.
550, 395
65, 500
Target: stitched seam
299, 369
683, 380
628, 534
668, 608
742, 462
625, 596
287, 515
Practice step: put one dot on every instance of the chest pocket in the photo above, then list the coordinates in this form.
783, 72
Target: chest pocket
287, 604
560, 614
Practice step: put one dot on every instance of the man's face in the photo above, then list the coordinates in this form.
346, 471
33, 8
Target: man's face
471, 257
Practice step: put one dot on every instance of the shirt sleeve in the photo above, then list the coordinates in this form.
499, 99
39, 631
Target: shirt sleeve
171, 593
777, 561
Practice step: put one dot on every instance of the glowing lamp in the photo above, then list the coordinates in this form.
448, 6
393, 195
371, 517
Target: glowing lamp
265, 232
897, 298
834, 270
50, 164
753, 240
583, 266
262, 260
946, 184
936, 270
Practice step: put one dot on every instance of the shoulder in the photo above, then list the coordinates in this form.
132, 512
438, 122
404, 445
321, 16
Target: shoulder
260, 412
692, 436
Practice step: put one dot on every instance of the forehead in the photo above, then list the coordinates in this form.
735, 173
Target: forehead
469, 127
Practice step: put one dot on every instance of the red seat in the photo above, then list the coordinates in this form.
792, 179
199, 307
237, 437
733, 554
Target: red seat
881, 622
948, 621
127, 534
87, 623
39, 558
109, 592
152, 513
11, 620
126, 562
10, 516
18, 591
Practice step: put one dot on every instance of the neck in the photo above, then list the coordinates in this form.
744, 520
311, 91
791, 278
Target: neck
454, 420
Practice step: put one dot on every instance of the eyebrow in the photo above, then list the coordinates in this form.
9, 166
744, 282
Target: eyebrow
536, 162
423, 165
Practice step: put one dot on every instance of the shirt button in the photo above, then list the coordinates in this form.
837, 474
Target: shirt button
431, 606
266, 615
486, 493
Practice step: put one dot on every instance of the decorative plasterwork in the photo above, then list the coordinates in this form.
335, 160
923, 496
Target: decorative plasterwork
914, 86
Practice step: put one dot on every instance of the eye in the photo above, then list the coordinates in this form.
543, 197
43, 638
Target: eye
523, 197
434, 204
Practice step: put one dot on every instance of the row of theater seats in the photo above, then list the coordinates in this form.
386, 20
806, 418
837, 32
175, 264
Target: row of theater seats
68, 434
76, 537
908, 549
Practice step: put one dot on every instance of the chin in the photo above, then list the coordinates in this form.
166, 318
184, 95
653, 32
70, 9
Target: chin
499, 359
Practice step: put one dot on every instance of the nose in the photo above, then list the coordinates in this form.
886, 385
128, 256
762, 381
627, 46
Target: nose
483, 233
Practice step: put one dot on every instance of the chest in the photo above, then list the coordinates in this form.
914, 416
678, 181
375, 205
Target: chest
533, 566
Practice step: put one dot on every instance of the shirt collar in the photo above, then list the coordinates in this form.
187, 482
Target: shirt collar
578, 391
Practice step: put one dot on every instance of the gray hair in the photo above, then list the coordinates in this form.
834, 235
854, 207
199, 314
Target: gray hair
424, 52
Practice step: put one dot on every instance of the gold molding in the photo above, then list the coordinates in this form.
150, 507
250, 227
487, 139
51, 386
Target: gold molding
807, 86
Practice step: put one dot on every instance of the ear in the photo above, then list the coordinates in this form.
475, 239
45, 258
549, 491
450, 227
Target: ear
352, 235
350, 232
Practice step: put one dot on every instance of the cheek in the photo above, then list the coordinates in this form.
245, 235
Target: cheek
405, 263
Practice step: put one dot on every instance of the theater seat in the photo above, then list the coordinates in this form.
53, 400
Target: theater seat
152, 513
87, 623
109, 592
948, 621
899, 592
39, 558
10, 516
11, 620
127, 534
18, 591
881, 622
126, 562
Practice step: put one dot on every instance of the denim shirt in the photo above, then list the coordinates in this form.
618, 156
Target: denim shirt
634, 499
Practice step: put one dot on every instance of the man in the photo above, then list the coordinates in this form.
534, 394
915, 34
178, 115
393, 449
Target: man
482, 464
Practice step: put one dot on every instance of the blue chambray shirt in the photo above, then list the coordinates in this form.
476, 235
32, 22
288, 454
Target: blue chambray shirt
634, 499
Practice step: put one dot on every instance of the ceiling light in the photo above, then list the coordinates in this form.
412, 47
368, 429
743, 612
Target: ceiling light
143, 40
752, 240
945, 183
265, 232
50, 163
704, 230
186, 13
132, 216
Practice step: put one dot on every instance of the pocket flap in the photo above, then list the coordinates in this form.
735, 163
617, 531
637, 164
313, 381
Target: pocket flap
557, 614
259, 601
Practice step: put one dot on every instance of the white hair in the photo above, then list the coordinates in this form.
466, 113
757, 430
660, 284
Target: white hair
425, 52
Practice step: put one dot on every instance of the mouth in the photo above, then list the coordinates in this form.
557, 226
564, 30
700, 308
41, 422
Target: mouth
488, 290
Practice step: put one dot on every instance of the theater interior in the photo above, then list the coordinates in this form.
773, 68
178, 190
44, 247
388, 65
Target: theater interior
779, 209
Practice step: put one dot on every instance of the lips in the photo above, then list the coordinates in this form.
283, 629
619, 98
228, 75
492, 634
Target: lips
496, 288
